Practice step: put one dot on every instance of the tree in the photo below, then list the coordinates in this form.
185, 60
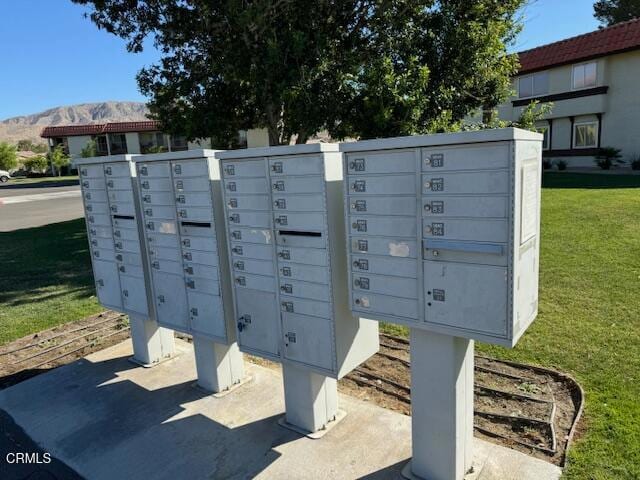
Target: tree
37, 163
89, 150
610, 12
58, 158
8, 156
354, 67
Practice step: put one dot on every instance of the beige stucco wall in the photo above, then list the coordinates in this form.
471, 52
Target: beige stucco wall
76, 144
257, 137
133, 142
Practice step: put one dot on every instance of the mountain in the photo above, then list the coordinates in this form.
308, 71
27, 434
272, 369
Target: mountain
30, 126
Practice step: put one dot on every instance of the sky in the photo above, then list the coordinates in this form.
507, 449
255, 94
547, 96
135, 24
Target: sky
52, 56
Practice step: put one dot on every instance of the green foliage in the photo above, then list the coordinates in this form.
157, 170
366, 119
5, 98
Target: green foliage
610, 12
607, 157
635, 162
37, 163
356, 68
547, 164
58, 158
156, 149
89, 150
8, 156
561, 164
532, 113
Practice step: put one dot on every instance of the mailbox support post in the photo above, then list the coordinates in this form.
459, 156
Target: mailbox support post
441, 406
219, 367
311, 399
151, 343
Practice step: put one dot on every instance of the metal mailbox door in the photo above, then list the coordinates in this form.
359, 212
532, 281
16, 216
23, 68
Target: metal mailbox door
246, 185
466, 206
382, 205
102, 232
314, 184
195, 199
258, 321
382, 185
119, 183
255, 282
298, 203
248, 202
386, 285
250, 219
400, 267
393, 247
251, 250
107, 283
487, 157
311, 291
386, 305
200, 243
201, 271
161, 240
308, 340
192, 184
305, 165
95, 195
155, 169
93, 183
392, 161
158, 199
256, 267
96, 208
203, 285
384, 226
160, 212
308, 273
206, 314
252, 235
121, 196
203, 258
121, 169
251, 168
492, 182
305, 307
121, 208
195, 214
471, 297
307, 256
300, 221
190, 168
91, 171
170, 300
483, 230
134, 295
98, 219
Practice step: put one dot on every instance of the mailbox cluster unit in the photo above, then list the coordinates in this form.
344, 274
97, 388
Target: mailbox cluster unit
284, 215
444, 231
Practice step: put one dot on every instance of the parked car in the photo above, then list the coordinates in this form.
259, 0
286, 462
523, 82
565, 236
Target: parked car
4, 176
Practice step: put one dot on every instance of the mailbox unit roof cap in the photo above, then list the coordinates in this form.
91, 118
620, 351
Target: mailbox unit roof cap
181, 155
279, 150
103, 159
441, 139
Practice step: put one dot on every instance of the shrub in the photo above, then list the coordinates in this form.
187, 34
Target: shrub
607, 157
547, 164
561, 164
635, 162
36, 163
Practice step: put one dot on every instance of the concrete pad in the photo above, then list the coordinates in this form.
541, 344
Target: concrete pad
107, 418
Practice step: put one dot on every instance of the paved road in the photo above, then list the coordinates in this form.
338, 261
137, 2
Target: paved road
23, 206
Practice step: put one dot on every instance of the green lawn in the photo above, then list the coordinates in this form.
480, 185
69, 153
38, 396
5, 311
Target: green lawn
43, 182
589, 322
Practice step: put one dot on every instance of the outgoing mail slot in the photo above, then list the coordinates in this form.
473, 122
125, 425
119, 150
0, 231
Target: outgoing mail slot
93, 184
93, 208
479, 293
308, 340
154, 169
296, 166
190, 168
307, 273
300, 221
245, 185
298, 203
108, 255
119, 183
491, 182
126, 246
468, 229
203, 285
383, 185
393, 247
158, 198
159, 212
164, 253
400, 267
386, 285
197, 199
121, 208
311, 291
201, 271
125, 223
311, 184
252, 168
206, 314
381, 205
467, 206
121, 196
98, 219
296, 238
480, 253
255, 282
197, 229
203, 258
91, 171
249, 219
390, 161
168, 267
384, 304
95, 195
101, 231
307, 256
386, 226
202, 184
130, 270
251, 250
161, 240
196, 214
155, 185
256, 267
121, 169
251, 235
206, 244
486, 157
305, 307
248, 202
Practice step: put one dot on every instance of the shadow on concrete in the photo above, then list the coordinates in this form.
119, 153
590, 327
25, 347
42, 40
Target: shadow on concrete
389, 473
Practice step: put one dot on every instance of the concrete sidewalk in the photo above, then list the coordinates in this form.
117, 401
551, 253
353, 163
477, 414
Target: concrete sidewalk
106, 418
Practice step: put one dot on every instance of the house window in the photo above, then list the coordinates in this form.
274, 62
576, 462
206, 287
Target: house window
178, 143
585, 135
118, 143
584, 75
533, 85
101, 145
152, 142
545, 141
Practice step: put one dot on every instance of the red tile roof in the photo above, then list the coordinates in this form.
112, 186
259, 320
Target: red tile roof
100, 128
618, 38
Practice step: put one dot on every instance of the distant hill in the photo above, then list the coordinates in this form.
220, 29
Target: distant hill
30, 126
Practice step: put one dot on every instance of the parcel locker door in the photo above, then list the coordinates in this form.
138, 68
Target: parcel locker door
206, 314
308, 340
170, 300
107, 284
258, 321
134, 295
470, 297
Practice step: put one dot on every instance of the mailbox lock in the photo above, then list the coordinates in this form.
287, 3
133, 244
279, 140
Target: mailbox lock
427, 161
89, 208
428, 229
427, 207
427, 184
143, 171
435, 253
110, 183
357, 301
83, 172
121, 268
160, 298
117, 233
125, 293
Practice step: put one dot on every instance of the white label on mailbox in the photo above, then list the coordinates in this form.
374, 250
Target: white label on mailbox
529, 200
267, 235
167, 227
399, 249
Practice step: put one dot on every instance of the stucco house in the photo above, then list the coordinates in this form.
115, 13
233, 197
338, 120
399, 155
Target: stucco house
593, 81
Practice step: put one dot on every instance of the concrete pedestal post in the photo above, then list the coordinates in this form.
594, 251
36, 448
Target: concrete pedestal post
151, 343
441, 406
311, 400
219, 367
